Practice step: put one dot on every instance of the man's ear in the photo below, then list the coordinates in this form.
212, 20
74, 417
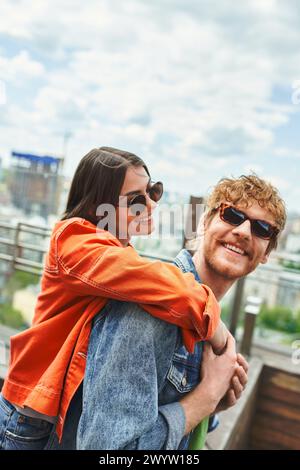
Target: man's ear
265, 258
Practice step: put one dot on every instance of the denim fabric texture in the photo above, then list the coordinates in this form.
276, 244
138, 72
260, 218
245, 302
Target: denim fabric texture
68, 441
137, 371
19, 432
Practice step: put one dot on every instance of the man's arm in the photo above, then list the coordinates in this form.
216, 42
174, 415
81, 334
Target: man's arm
128, 360
129, 356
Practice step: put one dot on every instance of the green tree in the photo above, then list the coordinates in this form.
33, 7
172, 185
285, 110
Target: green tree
19, 280
279, 318
225, 313
8, 315
291, 264
12, 317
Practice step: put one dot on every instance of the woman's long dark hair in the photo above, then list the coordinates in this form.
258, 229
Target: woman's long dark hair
98, 179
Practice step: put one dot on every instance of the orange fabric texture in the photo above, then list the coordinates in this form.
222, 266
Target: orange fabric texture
83, 269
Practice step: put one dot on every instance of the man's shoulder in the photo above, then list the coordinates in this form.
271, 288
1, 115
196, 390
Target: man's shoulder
127, 330
132, 317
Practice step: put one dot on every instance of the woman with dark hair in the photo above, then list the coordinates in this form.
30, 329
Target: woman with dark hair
90, 261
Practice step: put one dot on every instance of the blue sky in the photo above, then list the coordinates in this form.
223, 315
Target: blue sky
200, 89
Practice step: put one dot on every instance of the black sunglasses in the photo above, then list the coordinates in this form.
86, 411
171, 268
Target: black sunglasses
260, 228
155, 192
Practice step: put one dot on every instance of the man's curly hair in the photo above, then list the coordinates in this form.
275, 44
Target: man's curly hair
243, 191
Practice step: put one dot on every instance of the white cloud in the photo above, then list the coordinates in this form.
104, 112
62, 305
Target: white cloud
16, 21
286, 152
20, 67
280, 183
186, 85
250, 168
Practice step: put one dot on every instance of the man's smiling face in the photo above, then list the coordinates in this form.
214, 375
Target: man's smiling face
233, 252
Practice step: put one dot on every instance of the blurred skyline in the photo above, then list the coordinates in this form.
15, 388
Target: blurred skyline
200, 89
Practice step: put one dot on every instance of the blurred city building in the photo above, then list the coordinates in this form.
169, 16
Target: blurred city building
35, 183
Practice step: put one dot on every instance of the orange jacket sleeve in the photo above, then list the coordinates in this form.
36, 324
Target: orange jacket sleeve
95, 263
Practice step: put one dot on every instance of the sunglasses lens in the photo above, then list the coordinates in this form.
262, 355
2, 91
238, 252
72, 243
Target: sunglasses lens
156, 191
137, 204
233, 216
262, 229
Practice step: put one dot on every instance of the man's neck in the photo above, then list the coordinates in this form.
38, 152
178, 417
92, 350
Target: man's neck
217, 283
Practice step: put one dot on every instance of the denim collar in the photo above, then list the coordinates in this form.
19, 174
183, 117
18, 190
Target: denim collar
185, 262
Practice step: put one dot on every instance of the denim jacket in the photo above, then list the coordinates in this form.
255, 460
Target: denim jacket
137, 371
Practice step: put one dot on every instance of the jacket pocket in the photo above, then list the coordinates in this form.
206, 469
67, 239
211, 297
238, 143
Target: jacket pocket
183, 374
26, 429
6, 407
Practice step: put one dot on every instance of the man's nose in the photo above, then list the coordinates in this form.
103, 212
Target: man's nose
243, 230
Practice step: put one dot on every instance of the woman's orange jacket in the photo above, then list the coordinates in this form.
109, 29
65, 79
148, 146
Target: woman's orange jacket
83, 269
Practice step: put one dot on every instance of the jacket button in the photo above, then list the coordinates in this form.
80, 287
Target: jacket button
183, 382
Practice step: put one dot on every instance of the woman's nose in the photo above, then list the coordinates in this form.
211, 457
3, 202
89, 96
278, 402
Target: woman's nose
151, 205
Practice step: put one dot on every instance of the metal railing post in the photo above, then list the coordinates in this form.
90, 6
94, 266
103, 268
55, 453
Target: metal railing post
252, 309
193, 218
16, 247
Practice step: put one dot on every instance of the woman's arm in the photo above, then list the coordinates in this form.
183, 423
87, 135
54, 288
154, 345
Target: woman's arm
92, 263
220, 338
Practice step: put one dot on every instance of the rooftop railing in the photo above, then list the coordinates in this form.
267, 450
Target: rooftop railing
12, 248
23, 247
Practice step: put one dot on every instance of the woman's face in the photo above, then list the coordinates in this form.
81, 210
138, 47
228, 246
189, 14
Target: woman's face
135, 220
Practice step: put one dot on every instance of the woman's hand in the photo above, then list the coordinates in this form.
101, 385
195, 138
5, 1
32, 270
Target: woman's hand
216, 373
218, 370
238, 385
